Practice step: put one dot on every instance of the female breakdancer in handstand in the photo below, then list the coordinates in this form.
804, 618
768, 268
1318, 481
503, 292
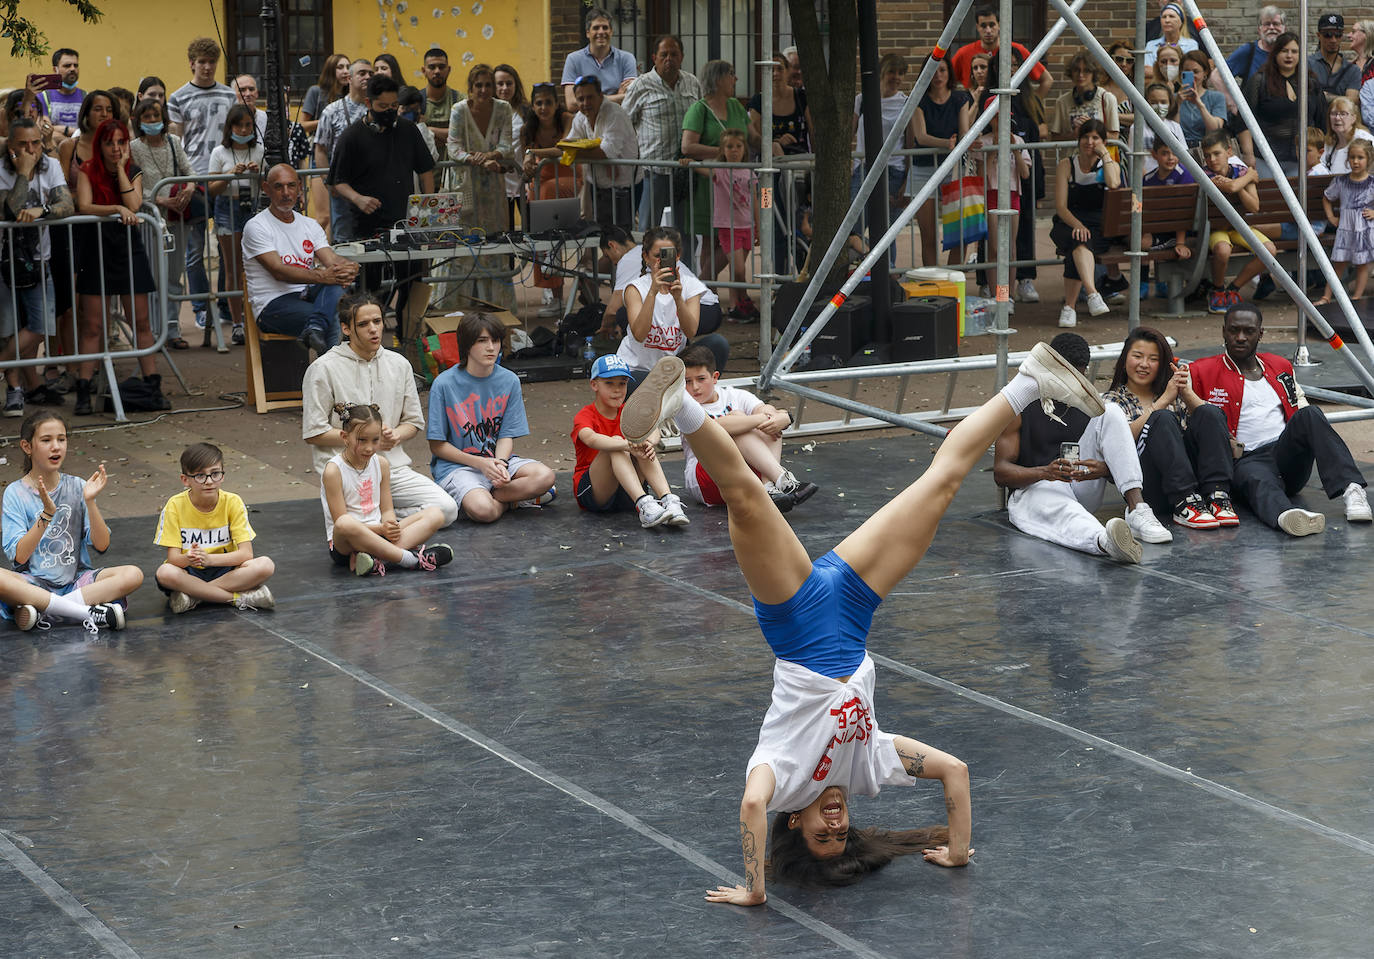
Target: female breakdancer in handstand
820, 739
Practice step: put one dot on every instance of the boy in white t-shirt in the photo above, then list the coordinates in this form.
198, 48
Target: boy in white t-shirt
755, 427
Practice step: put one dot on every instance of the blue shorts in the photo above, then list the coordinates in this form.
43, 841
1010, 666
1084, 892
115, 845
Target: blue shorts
824, 626
621, 502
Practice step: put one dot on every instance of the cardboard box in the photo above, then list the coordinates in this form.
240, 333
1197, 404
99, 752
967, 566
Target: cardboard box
447, 322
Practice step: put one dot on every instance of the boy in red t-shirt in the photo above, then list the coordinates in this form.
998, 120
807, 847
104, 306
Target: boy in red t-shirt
610, 472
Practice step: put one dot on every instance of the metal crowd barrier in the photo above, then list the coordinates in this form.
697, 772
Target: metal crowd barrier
50, 351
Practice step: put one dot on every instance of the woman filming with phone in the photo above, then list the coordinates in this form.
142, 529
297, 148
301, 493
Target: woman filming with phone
663, 307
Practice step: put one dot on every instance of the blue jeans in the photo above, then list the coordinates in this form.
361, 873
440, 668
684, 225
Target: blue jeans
32, 309
196, 279
653, 193
290, 315
341, 216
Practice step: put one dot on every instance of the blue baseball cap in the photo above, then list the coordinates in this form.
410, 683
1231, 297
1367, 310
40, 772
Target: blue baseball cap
607, 366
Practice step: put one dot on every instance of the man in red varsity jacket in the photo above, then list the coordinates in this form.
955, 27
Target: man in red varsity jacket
1280, 435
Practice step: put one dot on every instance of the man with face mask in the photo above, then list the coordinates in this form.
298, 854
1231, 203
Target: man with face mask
1250, 58
375, 160
63, 104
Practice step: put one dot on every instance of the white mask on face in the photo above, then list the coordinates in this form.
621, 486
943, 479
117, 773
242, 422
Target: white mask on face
1171, 72
1161, 108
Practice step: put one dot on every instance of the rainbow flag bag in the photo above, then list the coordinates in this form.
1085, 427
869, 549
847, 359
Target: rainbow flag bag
963, 211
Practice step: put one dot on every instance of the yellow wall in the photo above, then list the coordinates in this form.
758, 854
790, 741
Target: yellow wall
141, 37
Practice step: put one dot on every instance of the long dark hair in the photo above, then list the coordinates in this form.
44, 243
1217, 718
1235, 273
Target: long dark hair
560, 112
329, 80
865, 851
1147, 334
1273, 80
239, 111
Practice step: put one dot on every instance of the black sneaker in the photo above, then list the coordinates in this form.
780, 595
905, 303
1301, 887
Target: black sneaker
237, 337
83, 398
804, 492
1265, 287
432, 557
105, 616
1112, 285
43, 395
14, 402
312, 339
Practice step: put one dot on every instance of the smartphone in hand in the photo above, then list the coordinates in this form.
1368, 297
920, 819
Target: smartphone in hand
667, 260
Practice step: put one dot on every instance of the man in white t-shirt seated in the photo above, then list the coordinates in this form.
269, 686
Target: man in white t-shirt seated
627, 260
294, 280
1282, 437
755, 427
663, 308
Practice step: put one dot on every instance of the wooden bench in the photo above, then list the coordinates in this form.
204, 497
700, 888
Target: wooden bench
276, 384
1165, 210
1273, 210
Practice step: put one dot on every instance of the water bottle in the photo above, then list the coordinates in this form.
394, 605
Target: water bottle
589, 351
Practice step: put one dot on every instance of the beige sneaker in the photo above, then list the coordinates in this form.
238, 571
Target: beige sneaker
656, 399
1059, 381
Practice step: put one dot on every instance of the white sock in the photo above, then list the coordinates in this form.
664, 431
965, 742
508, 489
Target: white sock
690, 416
1021, 392
71, 606
409, 560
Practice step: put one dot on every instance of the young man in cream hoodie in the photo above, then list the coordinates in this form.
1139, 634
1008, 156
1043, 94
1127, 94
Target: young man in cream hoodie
360, 370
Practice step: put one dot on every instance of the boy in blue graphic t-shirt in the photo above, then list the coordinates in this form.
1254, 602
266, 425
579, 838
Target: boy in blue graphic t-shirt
476, 413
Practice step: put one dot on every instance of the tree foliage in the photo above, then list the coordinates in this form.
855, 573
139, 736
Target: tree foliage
830, 87
27, 42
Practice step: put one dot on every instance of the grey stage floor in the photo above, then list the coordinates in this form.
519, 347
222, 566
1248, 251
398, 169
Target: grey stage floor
539, 751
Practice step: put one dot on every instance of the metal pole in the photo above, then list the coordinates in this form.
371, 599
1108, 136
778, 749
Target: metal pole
789, 355
767, 191
1137, 177
839, 240
1001, 321
871, 88
1301, 356
274, 86
1219, 199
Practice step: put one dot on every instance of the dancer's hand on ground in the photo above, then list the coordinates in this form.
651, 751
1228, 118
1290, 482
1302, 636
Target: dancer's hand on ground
941, 856
737, 895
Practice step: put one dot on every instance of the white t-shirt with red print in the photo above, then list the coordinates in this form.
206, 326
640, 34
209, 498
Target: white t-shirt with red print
729, 399
820, 732
295, 242
665, 337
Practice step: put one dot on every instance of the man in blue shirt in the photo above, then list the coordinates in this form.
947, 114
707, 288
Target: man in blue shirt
476, 412
1250, 58
615, 68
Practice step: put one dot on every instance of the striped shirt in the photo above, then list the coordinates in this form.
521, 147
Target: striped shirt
657, 109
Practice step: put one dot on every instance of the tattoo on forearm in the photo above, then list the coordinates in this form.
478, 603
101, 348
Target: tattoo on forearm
949, 805
751, 856
915, 762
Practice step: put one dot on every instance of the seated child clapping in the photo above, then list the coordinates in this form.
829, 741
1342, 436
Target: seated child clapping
755, 427
610, 471
50, 522
359, 521
209, 541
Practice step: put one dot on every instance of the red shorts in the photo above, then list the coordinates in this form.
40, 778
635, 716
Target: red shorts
732, 238
710, 493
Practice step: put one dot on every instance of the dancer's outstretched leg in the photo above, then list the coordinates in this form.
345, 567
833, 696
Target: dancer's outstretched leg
773, 560
892, 541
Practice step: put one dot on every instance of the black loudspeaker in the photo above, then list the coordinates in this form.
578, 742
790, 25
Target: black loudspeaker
925, 328
846, 332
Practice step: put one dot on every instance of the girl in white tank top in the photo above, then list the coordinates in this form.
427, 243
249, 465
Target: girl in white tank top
359, 521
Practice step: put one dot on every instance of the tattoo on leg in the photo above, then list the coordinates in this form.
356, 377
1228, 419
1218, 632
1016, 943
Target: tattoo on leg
914, 762
751, 856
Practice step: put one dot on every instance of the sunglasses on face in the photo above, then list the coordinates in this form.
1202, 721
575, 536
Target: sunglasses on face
1125, 61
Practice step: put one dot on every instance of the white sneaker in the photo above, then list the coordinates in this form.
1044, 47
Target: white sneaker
181, 603
1357, 504
656, 399
985, 292
651, 512
1096, 305
1068, 318
1117, 542
1026, 291
1301, 522
1146, 527
676, 515
259, 598
1058, 380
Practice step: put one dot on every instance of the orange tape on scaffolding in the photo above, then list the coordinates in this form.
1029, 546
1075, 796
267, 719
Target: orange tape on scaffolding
1199, 24
1336, 341
938, 53
837, 300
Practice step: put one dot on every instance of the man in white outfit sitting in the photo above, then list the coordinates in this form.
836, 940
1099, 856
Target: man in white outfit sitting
1057, 464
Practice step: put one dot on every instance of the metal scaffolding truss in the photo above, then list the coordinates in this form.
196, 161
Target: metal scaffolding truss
793, 341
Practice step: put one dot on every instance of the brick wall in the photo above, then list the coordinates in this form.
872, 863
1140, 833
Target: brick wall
565, 30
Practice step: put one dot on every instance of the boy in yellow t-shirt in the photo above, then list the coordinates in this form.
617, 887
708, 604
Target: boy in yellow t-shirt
209, 542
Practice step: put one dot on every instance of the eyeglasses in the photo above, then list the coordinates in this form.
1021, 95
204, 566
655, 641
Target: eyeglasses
1124, 61
1342, 113
214, 476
